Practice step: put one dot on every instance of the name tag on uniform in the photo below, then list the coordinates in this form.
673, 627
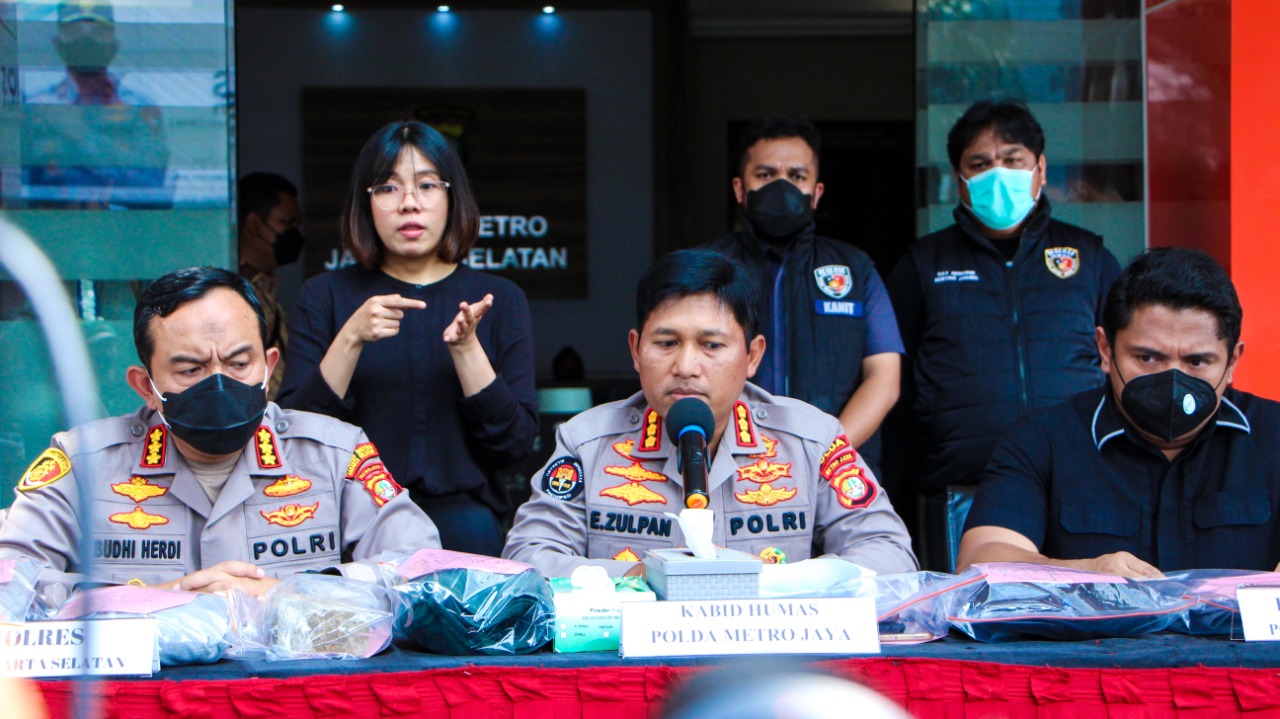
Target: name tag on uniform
837, 307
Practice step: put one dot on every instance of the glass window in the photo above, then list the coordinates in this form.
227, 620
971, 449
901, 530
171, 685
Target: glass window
116, 156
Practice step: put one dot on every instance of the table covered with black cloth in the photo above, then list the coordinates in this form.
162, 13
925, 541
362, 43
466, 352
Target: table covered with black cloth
1152, 676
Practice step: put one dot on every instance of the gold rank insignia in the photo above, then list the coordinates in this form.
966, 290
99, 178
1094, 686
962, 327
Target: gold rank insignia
138, 519
268, 453
290, 515
139, 489
49, 467
288, 486
651, 436
743, 430
633, 493
626, 555
153, 450
363, 451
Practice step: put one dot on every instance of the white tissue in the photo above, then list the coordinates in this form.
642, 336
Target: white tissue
697, 526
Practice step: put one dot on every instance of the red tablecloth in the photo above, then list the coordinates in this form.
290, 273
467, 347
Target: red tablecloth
926, 687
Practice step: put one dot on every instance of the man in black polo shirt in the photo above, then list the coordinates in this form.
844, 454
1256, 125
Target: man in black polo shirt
1165, 467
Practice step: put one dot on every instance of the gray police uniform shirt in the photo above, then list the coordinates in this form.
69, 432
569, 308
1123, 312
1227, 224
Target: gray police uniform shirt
784, 478
308, 492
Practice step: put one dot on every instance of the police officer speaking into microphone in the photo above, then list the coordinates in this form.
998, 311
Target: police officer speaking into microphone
782, 477
208, 486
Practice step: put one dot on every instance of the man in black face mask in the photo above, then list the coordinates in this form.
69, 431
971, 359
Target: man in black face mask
269, 217
832, 337
1165, 467
209, 486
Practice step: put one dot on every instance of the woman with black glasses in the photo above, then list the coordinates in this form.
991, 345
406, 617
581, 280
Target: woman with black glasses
433, 359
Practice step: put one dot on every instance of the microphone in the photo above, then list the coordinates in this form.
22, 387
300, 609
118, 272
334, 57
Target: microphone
689, 425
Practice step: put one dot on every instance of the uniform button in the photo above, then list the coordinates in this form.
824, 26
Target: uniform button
137, 430
762, 413
282, 426
633, 419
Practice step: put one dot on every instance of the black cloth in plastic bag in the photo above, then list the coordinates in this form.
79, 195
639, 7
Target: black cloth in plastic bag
466, 609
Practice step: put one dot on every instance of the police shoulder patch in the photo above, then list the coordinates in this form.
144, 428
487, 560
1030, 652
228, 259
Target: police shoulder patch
563, 478
49, 467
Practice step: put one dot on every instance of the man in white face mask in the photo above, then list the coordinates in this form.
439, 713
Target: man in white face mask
1165, 467
209, 486
996, 311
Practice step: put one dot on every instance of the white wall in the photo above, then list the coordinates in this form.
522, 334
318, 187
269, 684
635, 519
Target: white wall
280, 51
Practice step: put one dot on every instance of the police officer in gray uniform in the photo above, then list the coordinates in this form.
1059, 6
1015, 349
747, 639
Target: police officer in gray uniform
209, 487
783, 479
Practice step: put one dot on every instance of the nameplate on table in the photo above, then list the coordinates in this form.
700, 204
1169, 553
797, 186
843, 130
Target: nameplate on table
1259, 613
843, 625
67, 648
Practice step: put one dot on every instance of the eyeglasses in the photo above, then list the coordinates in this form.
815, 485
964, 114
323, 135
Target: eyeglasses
430, 193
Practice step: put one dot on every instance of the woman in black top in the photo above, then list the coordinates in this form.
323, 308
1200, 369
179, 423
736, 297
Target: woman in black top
396, 344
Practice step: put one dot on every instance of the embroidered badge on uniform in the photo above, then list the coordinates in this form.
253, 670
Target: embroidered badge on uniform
636, 473
743, 429
139, 489
138, 519
852, 488
766, 496
379, 483
770, 448
268, 454
633, 493
562, 478
835, 281
287, 486
290, 515
764, 471
49, 467
839, 443
651, 437
773, 555
1062, 261
842, 457
626, 555
153, 450
363, 451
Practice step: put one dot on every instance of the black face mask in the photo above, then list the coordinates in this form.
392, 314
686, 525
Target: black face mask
778, 210
1169, 404
216, 415
288, 246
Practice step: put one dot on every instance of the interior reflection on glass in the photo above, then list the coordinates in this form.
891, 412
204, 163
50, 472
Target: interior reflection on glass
88, 141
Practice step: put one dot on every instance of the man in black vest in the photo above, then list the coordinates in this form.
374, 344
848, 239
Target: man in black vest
831, 335
997, 311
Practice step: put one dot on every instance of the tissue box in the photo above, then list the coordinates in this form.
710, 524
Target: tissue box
591, 621
675, 574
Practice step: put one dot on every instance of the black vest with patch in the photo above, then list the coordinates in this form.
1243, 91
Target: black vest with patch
1001, 337
824, 351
